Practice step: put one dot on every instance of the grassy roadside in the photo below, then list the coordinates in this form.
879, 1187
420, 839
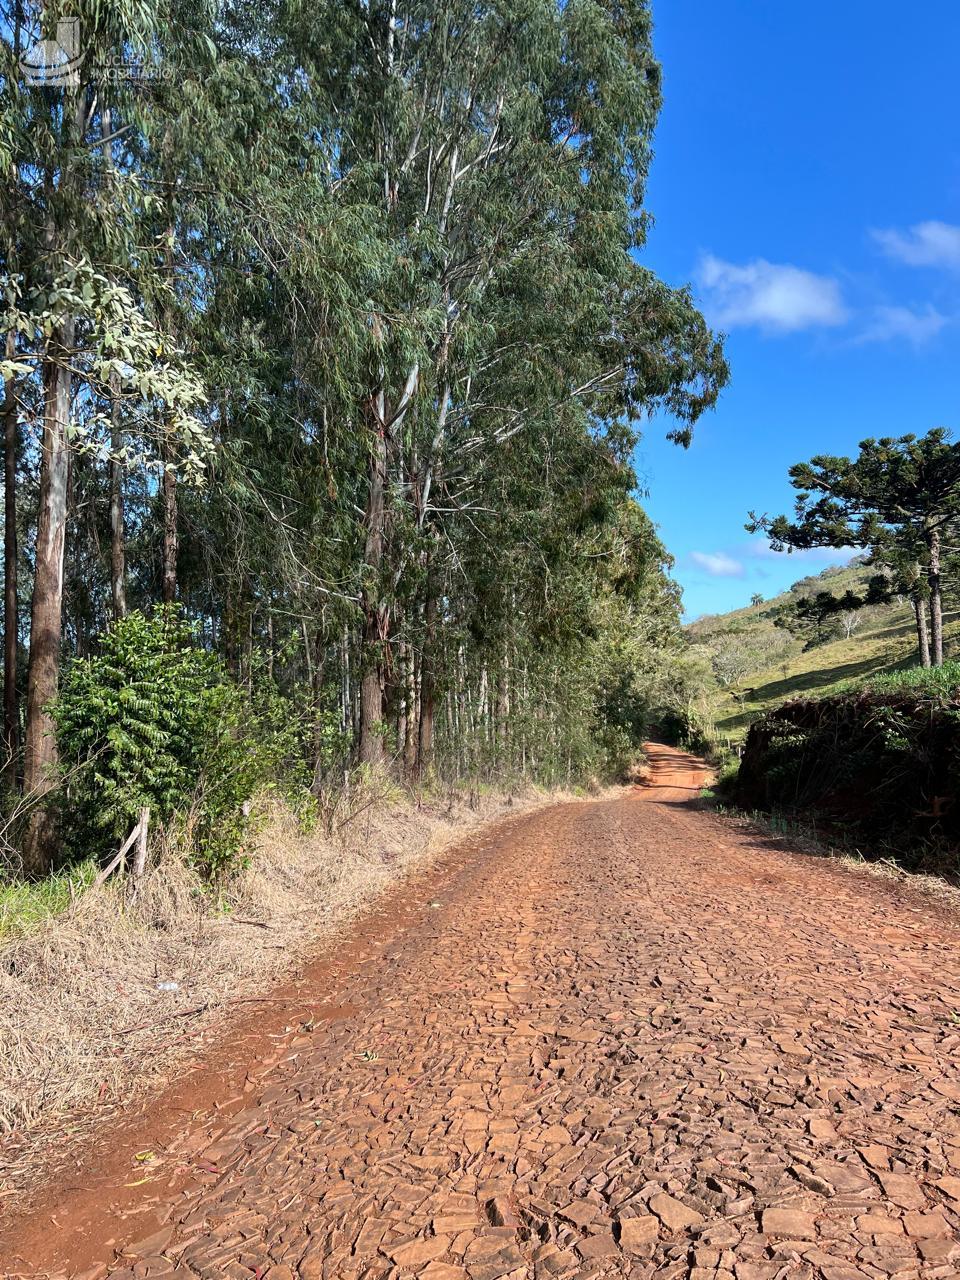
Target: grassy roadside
870, 768
800, 837
99, 999
27, 905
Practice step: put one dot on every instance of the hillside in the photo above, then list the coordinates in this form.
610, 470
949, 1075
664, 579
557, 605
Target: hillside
769, 666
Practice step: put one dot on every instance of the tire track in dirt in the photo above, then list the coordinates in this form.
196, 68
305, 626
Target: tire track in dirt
629, 1040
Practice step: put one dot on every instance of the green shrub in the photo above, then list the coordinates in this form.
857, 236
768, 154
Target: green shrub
685, 729
153, 719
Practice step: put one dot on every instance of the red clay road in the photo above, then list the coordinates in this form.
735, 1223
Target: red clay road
625, 1039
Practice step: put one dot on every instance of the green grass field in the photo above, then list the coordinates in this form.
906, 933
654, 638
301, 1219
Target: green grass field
885, 643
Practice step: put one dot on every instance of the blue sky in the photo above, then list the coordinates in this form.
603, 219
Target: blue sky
807, 183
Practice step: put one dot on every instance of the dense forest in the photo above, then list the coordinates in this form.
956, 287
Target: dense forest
327, 344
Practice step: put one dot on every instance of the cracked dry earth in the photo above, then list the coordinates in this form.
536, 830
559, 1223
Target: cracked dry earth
631, 1040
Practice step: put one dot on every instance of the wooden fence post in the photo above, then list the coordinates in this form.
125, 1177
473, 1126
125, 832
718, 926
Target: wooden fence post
140, 856
118, 858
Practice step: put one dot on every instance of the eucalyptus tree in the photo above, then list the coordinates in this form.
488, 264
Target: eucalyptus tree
372, 273
284, 262
81, 338
507, 146
445, 262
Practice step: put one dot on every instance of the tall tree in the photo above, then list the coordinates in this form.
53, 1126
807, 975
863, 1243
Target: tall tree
82, 339
903, 575
11, 607
897, 497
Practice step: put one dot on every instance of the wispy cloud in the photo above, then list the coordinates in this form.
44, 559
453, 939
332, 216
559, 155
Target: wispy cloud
892, 324
925, 244
822, 556
775, 297
717, 563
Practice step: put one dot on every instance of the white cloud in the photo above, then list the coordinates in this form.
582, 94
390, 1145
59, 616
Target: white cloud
889, 324
823, 556
926, 244
776, 297
717, 563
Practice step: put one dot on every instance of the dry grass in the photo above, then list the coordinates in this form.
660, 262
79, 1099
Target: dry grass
81, 1015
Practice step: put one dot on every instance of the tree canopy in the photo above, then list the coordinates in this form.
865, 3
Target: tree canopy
331, 324
897, 499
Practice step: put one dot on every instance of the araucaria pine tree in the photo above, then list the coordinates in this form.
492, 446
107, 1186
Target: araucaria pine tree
897, 499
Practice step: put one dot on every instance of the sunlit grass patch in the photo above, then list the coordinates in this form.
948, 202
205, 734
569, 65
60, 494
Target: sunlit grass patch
940, 681
25, 904
884, 659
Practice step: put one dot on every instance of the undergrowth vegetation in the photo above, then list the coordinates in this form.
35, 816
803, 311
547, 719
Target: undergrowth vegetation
154, 720
848, 738
940, 682
877, 766
25, 905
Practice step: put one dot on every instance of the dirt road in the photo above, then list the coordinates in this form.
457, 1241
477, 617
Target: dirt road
622, 1039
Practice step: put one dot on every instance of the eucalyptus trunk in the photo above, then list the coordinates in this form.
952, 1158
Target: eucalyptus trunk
375, 615
346, 693
170, 536
502, 717
428, 679
170, 515
411, 722
11, 710
40, 748
118, 567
